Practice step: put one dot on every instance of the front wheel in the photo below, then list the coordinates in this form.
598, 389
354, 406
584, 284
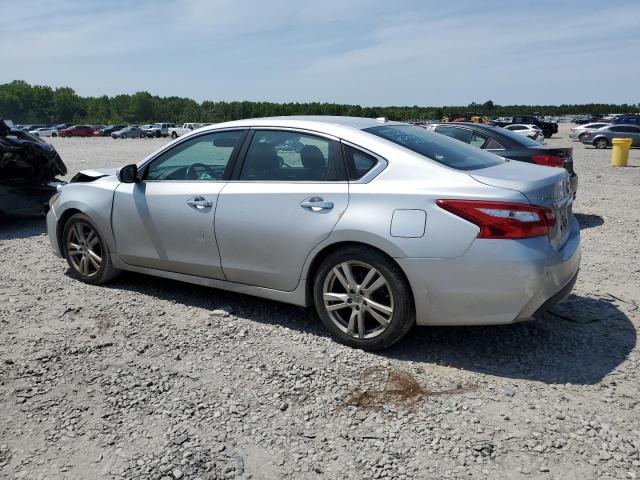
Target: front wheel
363, 298
123, 136
54, 134
600, 143
86, 252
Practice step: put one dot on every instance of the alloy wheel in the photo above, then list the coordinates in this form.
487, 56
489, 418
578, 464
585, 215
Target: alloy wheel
84, 249
358, 299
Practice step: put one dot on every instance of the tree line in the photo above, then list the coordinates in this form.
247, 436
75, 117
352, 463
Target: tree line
25, 103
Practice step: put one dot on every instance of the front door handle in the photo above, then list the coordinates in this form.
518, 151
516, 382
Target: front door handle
316, 205
199, 202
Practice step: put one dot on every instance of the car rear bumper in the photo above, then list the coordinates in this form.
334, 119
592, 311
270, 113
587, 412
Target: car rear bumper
494, 282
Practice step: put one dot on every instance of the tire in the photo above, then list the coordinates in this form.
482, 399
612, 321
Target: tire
601, 143
174, 135
352, 323
123, 136
547, 133
82, 255
580, 137
54, 134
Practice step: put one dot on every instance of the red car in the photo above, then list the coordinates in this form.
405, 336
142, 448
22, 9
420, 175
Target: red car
77, 131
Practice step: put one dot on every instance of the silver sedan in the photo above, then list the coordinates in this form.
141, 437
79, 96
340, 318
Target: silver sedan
380, 225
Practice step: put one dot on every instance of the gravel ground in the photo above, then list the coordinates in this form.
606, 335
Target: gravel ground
150, 378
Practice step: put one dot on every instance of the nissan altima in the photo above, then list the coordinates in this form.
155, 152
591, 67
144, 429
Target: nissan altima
380, 225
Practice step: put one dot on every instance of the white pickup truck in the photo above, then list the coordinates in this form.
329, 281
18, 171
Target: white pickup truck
175, 132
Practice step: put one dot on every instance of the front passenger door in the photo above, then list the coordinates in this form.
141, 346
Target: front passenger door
165, 221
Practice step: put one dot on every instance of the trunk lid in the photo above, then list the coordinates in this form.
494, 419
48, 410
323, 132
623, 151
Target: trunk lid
543, 186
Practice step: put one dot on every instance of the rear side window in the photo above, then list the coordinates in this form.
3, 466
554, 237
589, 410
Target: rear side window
447, 151
358, 162
461, 134
493, 145
290, 156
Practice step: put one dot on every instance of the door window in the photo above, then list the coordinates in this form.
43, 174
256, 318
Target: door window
290, 156
477, 140
205, 158
358, 162
461, 134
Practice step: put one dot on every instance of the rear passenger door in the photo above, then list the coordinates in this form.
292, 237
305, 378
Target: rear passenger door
284, 198
633, 133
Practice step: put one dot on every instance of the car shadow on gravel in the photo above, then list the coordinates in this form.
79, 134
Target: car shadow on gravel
21, 226
588, 220
581, 342
246, 306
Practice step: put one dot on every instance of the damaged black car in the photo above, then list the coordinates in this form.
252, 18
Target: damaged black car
28, 170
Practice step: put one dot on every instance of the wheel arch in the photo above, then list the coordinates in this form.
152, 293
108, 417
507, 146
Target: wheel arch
601, 137
62, 221
326, 250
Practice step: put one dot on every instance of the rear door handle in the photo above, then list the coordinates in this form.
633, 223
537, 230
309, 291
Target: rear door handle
199, 202
316, 205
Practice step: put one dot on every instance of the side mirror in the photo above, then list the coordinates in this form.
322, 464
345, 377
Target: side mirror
128, 173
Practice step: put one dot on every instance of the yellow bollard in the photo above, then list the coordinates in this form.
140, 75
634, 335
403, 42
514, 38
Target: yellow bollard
620, 154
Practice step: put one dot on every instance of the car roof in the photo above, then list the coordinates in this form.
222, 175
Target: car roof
310, 121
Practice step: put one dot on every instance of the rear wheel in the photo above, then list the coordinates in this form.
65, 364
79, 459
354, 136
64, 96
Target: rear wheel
86, 252
547, 133
174, 135
600, 143
54, 134
363, 298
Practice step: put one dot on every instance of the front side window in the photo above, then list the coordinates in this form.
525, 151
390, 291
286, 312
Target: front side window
447, 151
205, 157
290, 156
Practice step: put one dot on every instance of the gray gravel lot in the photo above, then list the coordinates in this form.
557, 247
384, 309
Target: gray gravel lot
150, 378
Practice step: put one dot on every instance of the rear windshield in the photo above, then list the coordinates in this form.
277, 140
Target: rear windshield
442, 149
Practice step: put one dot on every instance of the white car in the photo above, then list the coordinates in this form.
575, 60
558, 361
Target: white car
45, 132
531, 131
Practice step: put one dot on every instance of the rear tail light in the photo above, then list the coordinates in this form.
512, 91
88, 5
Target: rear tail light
503, 220
587, 134
548, 160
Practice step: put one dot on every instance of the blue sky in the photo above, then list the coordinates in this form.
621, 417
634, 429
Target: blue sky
377, 52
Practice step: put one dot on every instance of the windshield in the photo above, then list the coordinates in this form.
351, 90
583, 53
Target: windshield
442, 149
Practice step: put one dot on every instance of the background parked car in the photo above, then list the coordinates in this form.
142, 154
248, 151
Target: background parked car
76, 131
576, 132
159, 129
175, 132
45, 132
531, 131
626, 119
107, 131
129, 132
602, 137
548, 128
510, 145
